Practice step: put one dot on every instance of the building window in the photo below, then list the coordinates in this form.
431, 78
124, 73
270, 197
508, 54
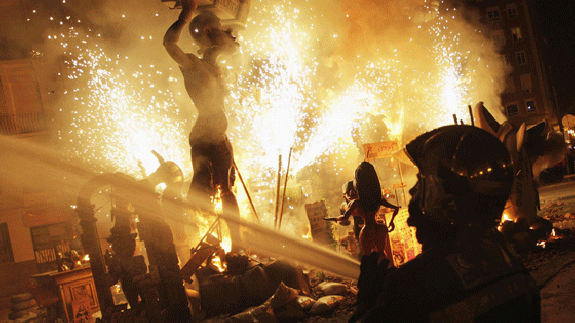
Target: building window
516, 34
493, 14
512, 11
6, 254
512, 110
530, 104
526, 85
520, 58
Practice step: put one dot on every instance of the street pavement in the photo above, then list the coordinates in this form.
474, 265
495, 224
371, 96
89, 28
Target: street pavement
558, 295
556, 276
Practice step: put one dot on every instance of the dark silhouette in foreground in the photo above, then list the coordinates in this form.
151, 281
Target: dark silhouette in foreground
466, 272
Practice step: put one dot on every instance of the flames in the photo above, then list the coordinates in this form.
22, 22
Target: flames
217, 201
297, 84
218, 264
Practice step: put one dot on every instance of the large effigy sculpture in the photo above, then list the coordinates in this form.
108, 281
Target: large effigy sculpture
526, 147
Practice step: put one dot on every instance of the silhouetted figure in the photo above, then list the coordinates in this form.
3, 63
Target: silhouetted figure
466, 272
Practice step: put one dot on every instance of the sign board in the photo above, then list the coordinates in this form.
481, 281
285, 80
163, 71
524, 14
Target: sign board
402, 240
380, 149
320, 230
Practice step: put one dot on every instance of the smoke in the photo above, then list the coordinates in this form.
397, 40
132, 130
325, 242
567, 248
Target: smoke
553, 151
68, 179
307, 73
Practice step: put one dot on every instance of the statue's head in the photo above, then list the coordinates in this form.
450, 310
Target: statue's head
206, 30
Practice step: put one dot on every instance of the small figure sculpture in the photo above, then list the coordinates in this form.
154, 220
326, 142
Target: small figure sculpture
372, 236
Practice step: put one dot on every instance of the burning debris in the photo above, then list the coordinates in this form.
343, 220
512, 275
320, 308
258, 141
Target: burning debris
551, 226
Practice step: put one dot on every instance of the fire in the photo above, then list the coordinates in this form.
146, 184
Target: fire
302, 82
217, 201
219, 232
226, 241
218, 264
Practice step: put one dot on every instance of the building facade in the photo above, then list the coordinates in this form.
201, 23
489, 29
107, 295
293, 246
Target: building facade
529, 95
32, 230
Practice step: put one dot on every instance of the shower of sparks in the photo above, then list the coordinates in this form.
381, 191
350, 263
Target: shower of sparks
279, 103
288, 94
120, 116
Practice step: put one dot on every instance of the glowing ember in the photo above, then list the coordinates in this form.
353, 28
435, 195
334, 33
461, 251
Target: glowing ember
218, 264
505, 217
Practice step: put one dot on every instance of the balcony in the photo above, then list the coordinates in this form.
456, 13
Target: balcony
18, 124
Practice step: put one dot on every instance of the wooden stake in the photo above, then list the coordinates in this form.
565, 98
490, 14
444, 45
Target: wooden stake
285, 188
471, 114
247, 193
278, 192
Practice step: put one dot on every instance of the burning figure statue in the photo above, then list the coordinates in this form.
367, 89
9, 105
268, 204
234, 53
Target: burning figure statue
372, 237
211, 150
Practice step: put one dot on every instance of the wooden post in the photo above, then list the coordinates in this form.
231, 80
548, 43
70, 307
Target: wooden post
278, 191
471, 114
247, 192
454, 119
285, 188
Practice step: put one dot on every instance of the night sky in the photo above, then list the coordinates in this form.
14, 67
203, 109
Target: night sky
558, 26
